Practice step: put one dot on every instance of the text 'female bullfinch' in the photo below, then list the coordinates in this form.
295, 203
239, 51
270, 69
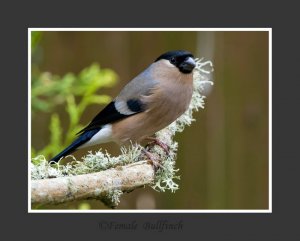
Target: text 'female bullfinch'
148, 103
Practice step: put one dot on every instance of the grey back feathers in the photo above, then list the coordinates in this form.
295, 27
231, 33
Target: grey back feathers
139, 86
129, 100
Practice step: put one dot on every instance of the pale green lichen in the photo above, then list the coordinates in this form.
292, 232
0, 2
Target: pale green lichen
92, 162
112, 198
98, 161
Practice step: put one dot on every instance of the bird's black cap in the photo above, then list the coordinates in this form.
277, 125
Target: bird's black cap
182, 59
175, 53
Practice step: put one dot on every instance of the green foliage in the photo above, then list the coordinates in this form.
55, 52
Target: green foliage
76, 92
35, 39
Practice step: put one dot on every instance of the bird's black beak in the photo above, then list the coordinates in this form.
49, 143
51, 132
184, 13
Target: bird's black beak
187, 65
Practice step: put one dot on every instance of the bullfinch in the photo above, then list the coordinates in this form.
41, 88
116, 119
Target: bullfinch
148, 103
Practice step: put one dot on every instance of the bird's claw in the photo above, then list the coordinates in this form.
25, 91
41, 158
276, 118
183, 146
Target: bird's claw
152, 160
158, 142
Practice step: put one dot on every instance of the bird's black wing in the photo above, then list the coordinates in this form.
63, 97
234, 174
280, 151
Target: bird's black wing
110, 114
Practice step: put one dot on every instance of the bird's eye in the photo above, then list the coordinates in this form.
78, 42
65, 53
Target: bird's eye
173, 60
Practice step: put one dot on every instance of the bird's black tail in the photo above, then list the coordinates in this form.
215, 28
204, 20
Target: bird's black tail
64, 153
83, 138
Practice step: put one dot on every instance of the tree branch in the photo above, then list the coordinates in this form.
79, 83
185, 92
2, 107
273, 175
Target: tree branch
101, 185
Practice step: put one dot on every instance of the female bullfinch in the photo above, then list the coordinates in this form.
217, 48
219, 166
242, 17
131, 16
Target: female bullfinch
148, 103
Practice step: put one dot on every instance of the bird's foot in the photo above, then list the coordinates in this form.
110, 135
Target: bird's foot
158, 142
153, 160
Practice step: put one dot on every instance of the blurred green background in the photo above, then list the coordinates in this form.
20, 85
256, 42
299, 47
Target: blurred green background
222, 157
